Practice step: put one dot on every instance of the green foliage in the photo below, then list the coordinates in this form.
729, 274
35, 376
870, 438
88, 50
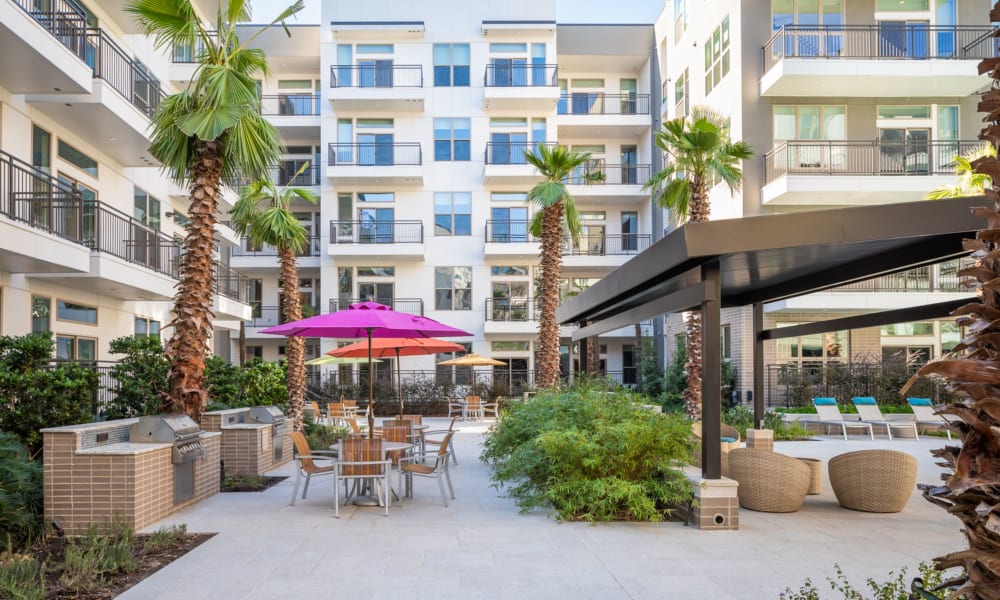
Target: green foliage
590, 455
264, 384
675, 381
36, 395
165, 537
92, 557
321, 437
741, 418
141, 376
875, 378
21, 578
652, 376
244, 480
222, 380
894, 588
21, 519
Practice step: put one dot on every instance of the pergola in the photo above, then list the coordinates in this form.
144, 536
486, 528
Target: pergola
756, 260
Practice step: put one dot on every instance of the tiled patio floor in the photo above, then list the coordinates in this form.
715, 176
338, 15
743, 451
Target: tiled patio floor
481, 547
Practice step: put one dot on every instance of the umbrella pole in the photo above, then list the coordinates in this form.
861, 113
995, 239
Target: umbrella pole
371, 388
399, 384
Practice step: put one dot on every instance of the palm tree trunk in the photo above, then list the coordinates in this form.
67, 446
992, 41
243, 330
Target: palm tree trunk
698, 213
548, 328
593, 366
295, 346
192, 320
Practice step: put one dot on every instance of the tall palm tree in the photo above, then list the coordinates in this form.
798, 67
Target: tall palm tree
557, 211
699, 151
210, 131
264, 215
970, 183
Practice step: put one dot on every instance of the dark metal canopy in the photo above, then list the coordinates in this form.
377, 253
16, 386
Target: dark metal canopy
755, 260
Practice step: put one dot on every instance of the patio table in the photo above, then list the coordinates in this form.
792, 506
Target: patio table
367, 499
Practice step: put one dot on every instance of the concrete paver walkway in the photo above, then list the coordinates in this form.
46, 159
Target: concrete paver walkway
481, 547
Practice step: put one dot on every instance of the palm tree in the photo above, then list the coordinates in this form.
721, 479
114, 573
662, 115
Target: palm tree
699, 151
969, 183
557, 210
264, 215
209, 132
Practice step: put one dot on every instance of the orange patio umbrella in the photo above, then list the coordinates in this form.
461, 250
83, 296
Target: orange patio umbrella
396, 347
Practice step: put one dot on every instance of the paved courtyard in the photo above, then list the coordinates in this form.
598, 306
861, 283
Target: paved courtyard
481, 547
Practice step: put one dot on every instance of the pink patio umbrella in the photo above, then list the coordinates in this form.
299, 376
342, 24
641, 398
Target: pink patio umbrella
389, 347
367, 320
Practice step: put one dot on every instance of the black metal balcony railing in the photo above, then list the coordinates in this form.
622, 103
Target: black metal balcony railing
508, 310
64, 20
942, 277
376, 232
376, 76
499, 74
375, 154
413, 306
284, 174
232, 284
190, 53
599, 103
509, 232
246, 248
602, 174
33, 197
606, 245
113, 65
110, 231
512, 153
880, 42
841, 157
269, 316
290, 105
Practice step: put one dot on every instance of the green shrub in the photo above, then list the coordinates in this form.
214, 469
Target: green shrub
91, 558
222, 381
21, 578
742, 419
590, 455
265, 384
141, 376
895, 588
321, 437
21, 518
165, 537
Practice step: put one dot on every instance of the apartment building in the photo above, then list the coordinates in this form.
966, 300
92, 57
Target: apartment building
89, 226
415, 120
847, 103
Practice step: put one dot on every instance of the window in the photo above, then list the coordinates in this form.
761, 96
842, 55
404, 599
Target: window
452, 139
902, 5
146, 209
726, 344
69, 311
451, 65
810, 122
255, 352
452, 213
919, 111
951, 334
77, 159
41, 149
446, 374
509, 196
505, 271
41, 308
87, 193
376, 196
510, 346
682, 99
923, 328
145, 326
71, 347
717, 56
813, 349
680, 19
376, 271
453, 288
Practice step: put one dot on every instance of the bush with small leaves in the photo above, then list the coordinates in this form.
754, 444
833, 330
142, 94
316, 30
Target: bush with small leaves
21, 578
897, 587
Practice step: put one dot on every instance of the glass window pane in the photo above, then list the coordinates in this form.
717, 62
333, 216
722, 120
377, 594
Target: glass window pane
508, 47
784, 122
783, 13
442, 277
78, 159
442, 54
40, 307
460, 54
461, 75
65, 348
70, 311
834, 123
808, 123
86, 349
918, 111
902, 5
374, 48
947, 123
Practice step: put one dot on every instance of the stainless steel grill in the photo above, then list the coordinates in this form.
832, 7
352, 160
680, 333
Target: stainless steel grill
184, 433
279, 425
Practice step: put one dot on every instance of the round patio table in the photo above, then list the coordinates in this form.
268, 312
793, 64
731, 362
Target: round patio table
369, 500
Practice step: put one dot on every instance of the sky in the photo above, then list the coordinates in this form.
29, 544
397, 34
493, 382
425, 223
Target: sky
567, 11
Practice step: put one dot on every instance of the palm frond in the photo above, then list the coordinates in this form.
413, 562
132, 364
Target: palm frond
169, 22
252, 145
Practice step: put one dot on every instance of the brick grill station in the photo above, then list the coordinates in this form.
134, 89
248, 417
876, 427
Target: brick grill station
93, 473
248, 446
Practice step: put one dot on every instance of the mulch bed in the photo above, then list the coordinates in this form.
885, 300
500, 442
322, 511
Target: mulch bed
242, 487
52, 550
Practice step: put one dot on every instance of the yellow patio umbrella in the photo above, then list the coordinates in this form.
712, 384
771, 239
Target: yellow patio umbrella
475, 360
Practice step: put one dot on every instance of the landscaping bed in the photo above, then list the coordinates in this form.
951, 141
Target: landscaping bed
248, 482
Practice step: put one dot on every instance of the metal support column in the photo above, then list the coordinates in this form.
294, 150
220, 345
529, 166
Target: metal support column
758, 364
711, 372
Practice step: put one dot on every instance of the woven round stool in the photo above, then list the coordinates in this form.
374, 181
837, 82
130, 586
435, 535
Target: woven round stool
815, 474
880, 481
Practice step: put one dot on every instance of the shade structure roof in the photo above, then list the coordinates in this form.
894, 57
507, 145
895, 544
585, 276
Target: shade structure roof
363, 319
768, 258
390, 347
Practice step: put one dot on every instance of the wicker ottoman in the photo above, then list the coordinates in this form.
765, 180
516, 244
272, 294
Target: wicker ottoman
815, 475
879, 481
769, 482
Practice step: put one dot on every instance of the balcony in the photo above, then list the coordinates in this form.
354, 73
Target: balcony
232, 293
510, 239
603, 252
818, 173
115, 114
520, 87
600, 116
260, 317
207, 9
377, 87
413, 306
506, 163
511, 316
876, 60
246, 256
609, 184
375, 163
377, 239
49, 45
291, 114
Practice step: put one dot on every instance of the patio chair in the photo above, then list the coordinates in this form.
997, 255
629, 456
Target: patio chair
353, 424
491, 407
391, 432
869, 413
305, 463
336, 412
473, 408
429, 441
417, 465
317, 414
361, 461
829, 415
769, 481
923, 409
456, 406
351, 407
880, 481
